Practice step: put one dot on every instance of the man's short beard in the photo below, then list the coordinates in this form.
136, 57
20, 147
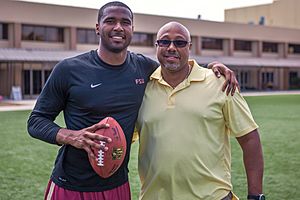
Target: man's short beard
172, 66
113, 49
116, 50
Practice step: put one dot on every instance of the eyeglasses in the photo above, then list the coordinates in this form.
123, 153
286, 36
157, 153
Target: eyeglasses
167, 43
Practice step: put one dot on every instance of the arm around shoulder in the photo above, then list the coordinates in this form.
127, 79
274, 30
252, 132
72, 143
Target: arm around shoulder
231, 82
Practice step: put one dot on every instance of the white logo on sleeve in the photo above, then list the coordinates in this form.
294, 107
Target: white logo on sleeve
96, 85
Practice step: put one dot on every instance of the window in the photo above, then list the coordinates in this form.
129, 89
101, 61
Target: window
34, 80
292, 76
3, 31
54, 34
87, 36
42, 33
244, 77
212, 43
27, 33
26, 77
37, 81
142, 39
267, 80
242, 45
47, 74
271, 47
294, 80
294, 48
261, 20
267, 77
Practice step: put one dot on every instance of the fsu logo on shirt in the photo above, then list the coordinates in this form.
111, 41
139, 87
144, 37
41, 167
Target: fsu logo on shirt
139, 81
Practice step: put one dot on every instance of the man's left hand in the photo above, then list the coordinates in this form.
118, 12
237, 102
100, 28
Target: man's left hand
231, 82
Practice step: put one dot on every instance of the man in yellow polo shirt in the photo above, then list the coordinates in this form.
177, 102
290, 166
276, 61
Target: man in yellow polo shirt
185, 123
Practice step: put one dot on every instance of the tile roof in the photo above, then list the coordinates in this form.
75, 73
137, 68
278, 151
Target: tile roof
10, 54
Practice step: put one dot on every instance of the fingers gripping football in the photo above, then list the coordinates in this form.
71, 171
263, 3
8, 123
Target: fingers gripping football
95, 140
84, 138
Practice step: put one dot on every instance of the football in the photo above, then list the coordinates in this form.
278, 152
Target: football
108, 162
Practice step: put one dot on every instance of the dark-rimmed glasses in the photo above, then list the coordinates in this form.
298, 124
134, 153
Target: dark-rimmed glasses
167, 43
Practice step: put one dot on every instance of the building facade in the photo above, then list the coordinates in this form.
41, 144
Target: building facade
34, 37
280, 13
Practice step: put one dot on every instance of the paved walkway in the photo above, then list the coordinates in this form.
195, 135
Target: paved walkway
265, 93
17, 105
29, 104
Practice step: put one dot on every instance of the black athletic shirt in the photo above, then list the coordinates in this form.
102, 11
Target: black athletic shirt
87, 90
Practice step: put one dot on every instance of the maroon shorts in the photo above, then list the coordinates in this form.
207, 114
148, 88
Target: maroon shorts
54, 192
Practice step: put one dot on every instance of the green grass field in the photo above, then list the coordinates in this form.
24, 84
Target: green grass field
26, 163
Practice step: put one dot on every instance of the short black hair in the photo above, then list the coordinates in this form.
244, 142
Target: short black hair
112, 4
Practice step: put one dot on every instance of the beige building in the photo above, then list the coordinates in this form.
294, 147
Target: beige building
34, 37
280, 13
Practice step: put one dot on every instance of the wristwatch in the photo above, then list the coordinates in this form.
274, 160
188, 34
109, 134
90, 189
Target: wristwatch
256, 197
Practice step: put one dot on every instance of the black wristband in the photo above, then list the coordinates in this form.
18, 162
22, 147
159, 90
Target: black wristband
256, 197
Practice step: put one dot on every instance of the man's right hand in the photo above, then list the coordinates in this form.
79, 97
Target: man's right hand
84, 138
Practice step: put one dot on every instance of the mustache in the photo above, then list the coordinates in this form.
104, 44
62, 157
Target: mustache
173, 54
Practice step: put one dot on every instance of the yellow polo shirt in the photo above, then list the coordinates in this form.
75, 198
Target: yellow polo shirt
184, 132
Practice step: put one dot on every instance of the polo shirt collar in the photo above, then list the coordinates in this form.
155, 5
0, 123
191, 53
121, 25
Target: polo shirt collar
198, 73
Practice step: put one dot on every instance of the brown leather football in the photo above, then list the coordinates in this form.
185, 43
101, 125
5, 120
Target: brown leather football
108, 162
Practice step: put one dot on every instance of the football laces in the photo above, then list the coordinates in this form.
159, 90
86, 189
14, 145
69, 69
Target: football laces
100, 157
